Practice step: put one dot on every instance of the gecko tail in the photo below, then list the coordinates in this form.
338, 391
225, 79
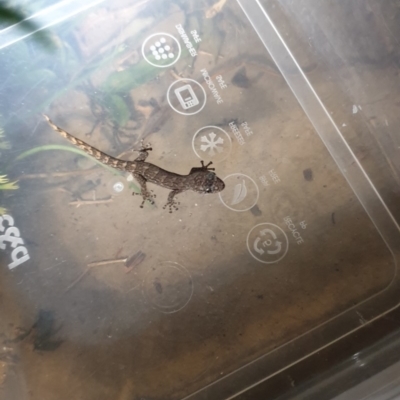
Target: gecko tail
87, 148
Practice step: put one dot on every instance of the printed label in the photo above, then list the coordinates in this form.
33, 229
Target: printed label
12, 238
221, 82
264, 180
295, 232
211, 86
186, 39
246, 128
274, 176
238, 134
196, 36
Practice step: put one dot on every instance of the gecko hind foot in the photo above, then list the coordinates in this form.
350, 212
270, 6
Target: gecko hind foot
173, 205
146, 197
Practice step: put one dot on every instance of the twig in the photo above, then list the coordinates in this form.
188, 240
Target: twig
77, 280
79, 203
107, 262
130, 262
55, 174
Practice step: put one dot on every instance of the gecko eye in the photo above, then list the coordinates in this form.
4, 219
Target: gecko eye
208, 190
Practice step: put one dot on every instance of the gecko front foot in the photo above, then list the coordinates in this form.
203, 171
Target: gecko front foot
143, 151
206, 167
144, 147
147, 197
171, 202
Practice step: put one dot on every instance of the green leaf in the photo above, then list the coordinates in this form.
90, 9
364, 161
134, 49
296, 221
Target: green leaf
63, 148
119, 111
5, 184
130, 78
4, 145
72, 150
11, 16
9, 186
36, 79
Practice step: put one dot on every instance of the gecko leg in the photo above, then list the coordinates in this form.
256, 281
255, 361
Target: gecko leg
205, 167
143, 151
146, 195
202, 168
171, 202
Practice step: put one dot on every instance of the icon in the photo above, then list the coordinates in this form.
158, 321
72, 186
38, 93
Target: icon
168, 286
186, 96
241, 192
117, 185
161, 50
275, 249
190, 100
267, 243
211, 143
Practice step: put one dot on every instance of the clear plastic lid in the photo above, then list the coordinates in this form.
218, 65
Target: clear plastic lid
103, 299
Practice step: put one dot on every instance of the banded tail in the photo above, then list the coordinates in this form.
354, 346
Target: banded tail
92, 151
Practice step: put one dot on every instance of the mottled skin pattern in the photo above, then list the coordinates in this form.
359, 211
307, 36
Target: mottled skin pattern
200, 179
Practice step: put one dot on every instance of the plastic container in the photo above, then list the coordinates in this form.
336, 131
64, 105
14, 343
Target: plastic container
295, 104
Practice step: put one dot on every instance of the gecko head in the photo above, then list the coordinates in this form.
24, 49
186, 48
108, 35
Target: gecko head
211, 183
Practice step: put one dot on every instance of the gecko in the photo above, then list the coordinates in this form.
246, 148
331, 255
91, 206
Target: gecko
200, 179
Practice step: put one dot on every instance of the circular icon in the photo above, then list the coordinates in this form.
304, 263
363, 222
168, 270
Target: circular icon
116, 185
240, 194
267, 243
186, 96
168, 286
211, 143
161, 50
